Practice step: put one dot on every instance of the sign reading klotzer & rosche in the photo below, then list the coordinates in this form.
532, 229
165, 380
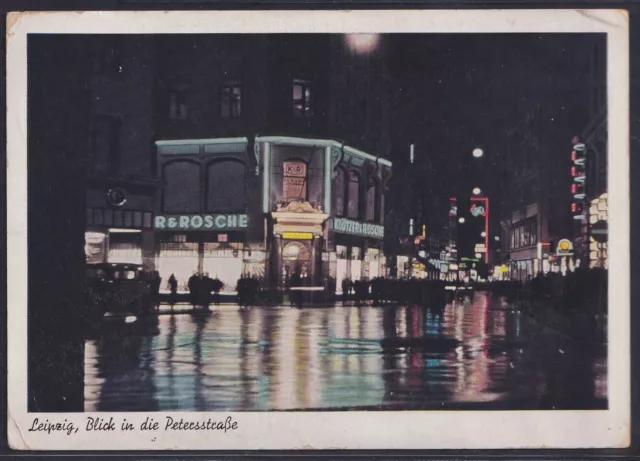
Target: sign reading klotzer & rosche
347, 226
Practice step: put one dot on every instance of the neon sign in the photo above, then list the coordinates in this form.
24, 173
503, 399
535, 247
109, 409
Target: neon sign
579, 179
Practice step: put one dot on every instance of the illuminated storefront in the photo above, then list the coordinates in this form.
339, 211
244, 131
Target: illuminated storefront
119, 236
208, 244
286, 210
598, 230
206, 223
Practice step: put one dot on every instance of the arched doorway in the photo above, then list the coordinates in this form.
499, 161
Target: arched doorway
296, 257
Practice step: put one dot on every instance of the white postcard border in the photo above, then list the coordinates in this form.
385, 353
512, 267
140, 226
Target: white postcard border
329, 430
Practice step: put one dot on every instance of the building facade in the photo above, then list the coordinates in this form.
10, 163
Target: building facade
230, 155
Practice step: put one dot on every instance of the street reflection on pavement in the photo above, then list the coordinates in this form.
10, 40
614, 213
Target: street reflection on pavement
472, 355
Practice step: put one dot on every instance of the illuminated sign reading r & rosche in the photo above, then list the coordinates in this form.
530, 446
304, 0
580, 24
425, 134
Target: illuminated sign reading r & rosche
202, 222
347, 226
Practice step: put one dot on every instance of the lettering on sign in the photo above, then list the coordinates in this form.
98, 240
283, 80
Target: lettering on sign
295, 169
347, 226
294, 180
201, 222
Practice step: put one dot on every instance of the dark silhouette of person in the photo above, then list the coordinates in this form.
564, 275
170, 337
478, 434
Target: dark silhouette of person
193, 285
296, 293
204, 290
173, 289
346, 286
216, 286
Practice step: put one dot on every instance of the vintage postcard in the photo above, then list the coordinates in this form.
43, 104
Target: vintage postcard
320, 230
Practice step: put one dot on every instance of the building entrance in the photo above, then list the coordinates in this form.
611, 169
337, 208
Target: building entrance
296, 258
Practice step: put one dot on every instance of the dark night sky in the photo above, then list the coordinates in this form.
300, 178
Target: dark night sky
452, 93
456, 91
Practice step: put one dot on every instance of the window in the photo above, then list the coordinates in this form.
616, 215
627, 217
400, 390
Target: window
181, 192
231, 100
178, 104
338, 192
302, 99
294, 181
371, 204
353, 203
534, 233
226, 186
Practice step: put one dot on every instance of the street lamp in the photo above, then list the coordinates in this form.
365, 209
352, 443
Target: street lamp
497, 238
476, 191
362, 43
477, 152
461, 220
483, 234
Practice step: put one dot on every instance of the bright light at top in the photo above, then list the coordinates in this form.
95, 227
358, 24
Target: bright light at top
477, 152
461, 220
476, 191
362, 43
483, 234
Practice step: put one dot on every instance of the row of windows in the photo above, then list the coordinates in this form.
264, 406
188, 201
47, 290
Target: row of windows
524, 234
348, 198
223, 187
347, 194
230, 98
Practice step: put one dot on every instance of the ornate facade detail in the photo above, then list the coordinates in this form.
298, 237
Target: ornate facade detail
256, 154
336, 157
298, 207
385, 177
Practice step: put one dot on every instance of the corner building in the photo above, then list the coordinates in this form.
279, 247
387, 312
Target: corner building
269, 154
281, 206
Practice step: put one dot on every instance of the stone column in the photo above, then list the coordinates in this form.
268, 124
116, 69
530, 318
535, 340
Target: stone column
149, 249
314, 260
200, 255
278, 261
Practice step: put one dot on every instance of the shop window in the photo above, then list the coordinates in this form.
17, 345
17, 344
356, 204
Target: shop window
294, 180
339, 192
231, 100
181, 191
353, 204
226, 191
178, 104
371, 204
302, 99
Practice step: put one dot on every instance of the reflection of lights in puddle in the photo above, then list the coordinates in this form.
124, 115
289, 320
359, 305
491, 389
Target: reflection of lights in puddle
130, 319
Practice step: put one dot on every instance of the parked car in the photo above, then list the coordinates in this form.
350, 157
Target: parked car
115, 289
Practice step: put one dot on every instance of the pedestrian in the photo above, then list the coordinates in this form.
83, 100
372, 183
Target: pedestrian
173, 290
204, 290
216, 286
346, 286
193, 285
294, 291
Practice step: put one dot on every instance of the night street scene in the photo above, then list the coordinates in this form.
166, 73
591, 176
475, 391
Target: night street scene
324, 222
